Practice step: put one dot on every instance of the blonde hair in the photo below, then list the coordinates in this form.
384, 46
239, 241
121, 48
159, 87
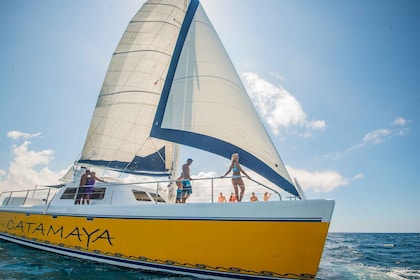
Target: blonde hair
234, 156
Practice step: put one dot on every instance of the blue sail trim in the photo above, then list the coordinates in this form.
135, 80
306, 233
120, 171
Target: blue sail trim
151, 165
192, 8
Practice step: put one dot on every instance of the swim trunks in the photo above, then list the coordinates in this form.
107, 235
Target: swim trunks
186, 187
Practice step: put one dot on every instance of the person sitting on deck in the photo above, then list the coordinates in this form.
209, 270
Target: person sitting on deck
232, 197
221, 198
267, 196
253, 197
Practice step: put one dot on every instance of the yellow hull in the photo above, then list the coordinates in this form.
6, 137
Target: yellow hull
210, 248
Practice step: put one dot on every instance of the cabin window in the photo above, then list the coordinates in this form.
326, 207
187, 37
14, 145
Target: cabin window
97, 193
141, 196
157, 197
69, 193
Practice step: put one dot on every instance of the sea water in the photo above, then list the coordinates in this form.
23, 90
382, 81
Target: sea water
364, 256
368, 256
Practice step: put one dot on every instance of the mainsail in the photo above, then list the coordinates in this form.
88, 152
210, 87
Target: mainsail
119, 134
171, 81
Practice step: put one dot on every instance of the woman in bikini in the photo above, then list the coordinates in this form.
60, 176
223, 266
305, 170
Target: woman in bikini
236, 176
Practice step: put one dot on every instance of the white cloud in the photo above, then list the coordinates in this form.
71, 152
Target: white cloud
376, 136
15, 135
324, 181
316, 125
399, 121
358, 176
28, 167
373, 137
278, 108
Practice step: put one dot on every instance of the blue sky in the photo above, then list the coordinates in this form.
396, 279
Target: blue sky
336, 83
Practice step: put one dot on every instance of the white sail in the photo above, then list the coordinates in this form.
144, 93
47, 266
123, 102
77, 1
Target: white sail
118, 136
171, 81
205, 104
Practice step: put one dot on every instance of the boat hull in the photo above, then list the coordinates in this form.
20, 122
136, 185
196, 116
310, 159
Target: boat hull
245, 246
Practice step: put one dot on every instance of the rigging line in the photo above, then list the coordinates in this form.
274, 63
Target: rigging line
167, 143
128, 91
140, 148
153, 21
167, 4
239, 85
128, 163
139, 51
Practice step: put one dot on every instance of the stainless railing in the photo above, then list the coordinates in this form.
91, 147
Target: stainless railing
204, 190
36, 196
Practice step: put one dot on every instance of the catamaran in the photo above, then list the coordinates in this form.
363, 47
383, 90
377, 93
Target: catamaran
170, 83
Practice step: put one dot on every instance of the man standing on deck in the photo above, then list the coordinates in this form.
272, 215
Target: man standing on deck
80, 189
186, 182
